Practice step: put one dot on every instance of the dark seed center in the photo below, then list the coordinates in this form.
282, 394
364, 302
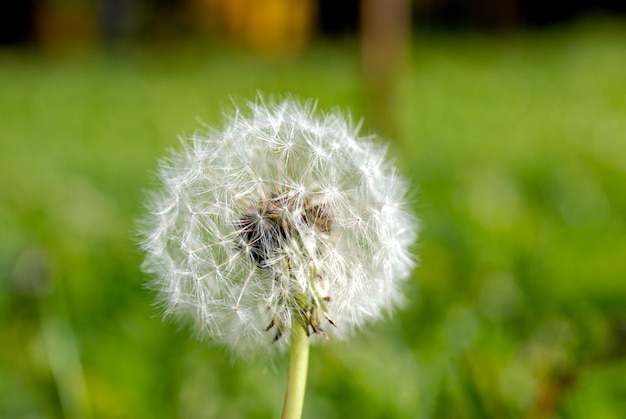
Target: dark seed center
264, 230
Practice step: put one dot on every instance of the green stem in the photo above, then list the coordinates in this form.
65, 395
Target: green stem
296, 378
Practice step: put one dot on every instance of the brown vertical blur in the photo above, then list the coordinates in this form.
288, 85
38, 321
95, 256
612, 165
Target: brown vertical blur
66, 25
272, 27
386, 34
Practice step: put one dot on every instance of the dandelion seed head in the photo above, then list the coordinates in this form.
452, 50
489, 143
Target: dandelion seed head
284, 218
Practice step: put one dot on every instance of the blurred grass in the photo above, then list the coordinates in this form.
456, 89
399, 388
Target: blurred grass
516, 148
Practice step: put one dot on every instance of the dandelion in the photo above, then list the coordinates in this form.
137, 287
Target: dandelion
282, 228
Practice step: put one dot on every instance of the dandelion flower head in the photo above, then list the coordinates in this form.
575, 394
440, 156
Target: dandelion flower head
283, 219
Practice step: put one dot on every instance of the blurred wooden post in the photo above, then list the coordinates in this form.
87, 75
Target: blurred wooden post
273, 27
386, 35
63, 26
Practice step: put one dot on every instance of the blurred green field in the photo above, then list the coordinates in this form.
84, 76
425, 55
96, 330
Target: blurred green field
516, 147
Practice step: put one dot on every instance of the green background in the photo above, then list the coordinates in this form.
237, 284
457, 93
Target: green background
515, 148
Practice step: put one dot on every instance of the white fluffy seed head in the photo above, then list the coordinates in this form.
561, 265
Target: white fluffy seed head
283, 219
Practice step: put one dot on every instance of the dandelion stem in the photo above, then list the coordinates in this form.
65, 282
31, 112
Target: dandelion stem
296, 375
